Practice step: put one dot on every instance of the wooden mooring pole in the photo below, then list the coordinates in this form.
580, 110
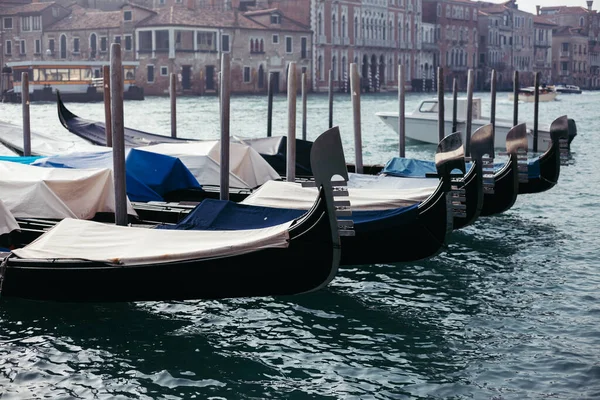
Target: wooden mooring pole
118, 133
470, 85
516, 99
536, 111
107, 113
225, 115
173, 96
290, 174
454, 105
355, 90
304, 98
441, 116
270, 104
330, 99
401, 111
26, 116
493, 103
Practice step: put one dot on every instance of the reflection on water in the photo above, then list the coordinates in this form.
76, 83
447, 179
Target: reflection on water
509, 310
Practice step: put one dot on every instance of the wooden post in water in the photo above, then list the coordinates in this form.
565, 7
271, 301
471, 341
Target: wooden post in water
118, 133
225, 91
26, 116
290, 174
107, 113
355, 90
470, 84
441, 116
493, 103
516, 99
173, 96
304, 95
454, 105
401, 111
330, 99
270, 104
536, 109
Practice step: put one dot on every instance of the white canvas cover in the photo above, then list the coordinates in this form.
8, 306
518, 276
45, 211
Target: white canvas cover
41, 144
124, 245
248, 169
366, 193
36, 192
7, 221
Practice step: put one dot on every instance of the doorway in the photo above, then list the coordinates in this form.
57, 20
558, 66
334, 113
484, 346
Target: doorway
186, 74
210, 77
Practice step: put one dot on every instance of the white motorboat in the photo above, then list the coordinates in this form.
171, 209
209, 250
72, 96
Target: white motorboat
568, 89
422, 123
527, 94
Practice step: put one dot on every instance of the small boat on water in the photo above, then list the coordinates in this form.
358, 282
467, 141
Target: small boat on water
79, 81
527, 94
80, 260
567, 89
422, 123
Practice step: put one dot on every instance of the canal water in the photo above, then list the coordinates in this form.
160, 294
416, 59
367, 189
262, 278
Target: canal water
509, 310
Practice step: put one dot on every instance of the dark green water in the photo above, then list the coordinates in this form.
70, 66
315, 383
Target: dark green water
510, 310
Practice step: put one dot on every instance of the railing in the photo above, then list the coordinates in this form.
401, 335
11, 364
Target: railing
564, 53
542, 43
564, 73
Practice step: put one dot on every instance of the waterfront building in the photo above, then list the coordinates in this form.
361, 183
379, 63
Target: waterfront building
457, 29
542, 43
508, 38
189, 40
575, 62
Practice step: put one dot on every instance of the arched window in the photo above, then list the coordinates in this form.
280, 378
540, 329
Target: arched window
63, 46
320, 24
93, 45
252, 50
320, 68
333, 68
355, 27
333, 26
344, 32
262, 45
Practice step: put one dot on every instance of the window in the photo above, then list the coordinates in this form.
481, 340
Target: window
25, 24
103, 44
565, 46
22, 47
225, 43
246, 74
38, 46
51, 45
150, 73
117, 39
288, 44
128, 43
275, 39
303, 42
8, 48
76, 45
164, 71
37, 22
127, 15
275, 19
7, 23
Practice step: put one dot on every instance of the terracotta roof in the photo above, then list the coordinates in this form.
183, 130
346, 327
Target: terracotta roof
566, 9
263, 12
26, 9
568, 31
82, 18
183, 16
541, 20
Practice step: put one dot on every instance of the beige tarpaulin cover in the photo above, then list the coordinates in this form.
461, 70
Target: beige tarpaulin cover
36, 192
248, 169
95, 241
365, 193
7, 221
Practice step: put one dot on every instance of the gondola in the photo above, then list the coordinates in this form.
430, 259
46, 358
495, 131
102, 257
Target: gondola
544, 170
82, 261
381, 234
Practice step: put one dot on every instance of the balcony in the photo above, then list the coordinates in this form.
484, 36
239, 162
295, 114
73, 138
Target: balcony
430, 46
337, 40
542, 43
564, 73
458, 68
564, 54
